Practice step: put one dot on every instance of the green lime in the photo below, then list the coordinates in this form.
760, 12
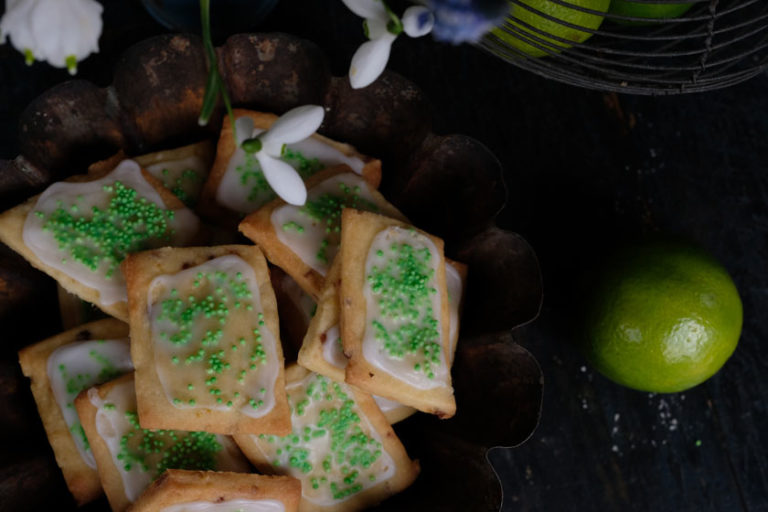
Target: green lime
647, 10
664, 317
518, 13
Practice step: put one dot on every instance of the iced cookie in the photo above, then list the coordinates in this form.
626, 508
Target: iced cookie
395, 312
303, 240
237, 186
60, 368
322, 350
79, 232
295, 308
205, 340
183, 171
129, 457
342, 448
178, 490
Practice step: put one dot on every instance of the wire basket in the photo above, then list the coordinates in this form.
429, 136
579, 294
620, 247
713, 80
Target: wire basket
717, 43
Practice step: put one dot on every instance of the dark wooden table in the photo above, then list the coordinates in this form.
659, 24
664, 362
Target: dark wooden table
585, 171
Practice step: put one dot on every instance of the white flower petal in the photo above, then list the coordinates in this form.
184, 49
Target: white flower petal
295, 125
369, 61
418, 21
65, 28
283, 179
243, 130
15, 24
368, 9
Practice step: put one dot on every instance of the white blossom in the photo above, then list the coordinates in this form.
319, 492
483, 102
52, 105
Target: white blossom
382, 28
294, 126
61, 32
369, 61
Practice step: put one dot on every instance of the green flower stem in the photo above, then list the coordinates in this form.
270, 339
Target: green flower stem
215, 84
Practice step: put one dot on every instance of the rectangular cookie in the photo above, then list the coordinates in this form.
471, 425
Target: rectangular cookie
79, 231
395, 312
183, 171
295, 308
59, 368
129, 457
342, 448
303, 240
236, 185
205, 340
322, 350
179, 490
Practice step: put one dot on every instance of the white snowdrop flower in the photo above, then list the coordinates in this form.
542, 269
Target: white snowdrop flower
369, 61
293, 126
382, 27
61, 32
418, 21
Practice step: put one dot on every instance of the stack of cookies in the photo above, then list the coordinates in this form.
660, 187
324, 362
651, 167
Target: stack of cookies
170, 403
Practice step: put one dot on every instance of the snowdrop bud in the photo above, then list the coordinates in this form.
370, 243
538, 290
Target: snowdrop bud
61, 32
418, 21
370, 60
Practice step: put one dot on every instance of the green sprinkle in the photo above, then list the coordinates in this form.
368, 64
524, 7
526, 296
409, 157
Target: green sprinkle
292, 225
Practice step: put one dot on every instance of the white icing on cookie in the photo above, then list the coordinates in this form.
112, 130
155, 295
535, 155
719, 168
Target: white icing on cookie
77, 366
212, 349
309, 231
388, 335
386, 405
79, 200
241, 505
184, 177
333, 351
